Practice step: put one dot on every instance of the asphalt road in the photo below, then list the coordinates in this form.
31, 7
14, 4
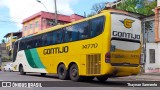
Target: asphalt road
110, 84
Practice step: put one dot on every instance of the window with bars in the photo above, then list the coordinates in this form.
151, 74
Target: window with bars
152, 55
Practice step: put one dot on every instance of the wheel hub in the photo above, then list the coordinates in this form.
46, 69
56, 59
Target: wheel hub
74, 72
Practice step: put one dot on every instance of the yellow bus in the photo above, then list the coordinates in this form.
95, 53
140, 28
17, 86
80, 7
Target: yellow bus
107, 44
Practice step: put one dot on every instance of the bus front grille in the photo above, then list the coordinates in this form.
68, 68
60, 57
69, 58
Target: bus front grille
93, 63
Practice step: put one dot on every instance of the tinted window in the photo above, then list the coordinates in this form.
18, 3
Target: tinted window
36, 40
44, 39
59, 36
68, 34
96, 26
47, 39
83, 30
54, 37
15, 51
79, 31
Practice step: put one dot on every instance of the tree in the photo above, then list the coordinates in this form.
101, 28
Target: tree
3, 41
139, 6
96, 8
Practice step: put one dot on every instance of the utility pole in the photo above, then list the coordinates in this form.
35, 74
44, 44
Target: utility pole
55, 4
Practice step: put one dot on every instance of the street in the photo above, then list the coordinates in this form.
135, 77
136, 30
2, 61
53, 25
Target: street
110, 84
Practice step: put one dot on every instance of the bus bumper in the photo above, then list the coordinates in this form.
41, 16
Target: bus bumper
120, 71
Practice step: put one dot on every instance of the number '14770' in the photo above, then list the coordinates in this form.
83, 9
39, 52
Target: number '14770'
88, 46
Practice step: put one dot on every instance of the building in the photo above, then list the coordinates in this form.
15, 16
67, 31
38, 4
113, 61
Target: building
3, 52
10, 39
151, 44
43, 20
148, 43
151, 41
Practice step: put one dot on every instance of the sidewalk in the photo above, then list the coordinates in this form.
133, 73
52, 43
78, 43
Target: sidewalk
153, 74
143, 77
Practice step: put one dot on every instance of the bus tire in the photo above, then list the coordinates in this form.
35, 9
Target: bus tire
43, 74
74, 73
62, 72
102, 78
21, 70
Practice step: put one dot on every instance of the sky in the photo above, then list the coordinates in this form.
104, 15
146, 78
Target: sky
12, 12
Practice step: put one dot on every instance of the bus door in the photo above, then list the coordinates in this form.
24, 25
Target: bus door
125, 40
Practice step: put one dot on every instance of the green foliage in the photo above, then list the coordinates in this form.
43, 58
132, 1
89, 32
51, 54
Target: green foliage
132, 6
3, 41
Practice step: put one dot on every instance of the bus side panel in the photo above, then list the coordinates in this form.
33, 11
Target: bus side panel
22, 59
107, 68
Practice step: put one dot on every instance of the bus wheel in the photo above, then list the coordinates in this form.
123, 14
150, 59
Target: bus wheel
102, 78
43, 74
74, 73
62, 72
21, 70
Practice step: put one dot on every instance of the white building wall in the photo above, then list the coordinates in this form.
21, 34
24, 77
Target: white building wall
158, 55
152, 67
158, 2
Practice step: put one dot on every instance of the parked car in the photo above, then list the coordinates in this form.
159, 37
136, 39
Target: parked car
8, 67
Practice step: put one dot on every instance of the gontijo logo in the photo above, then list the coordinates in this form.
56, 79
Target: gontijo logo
127, 23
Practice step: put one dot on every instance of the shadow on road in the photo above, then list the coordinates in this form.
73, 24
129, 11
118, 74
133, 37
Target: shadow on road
38, 75
69, 83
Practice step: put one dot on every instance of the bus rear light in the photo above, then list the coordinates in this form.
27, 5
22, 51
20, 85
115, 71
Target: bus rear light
107, 57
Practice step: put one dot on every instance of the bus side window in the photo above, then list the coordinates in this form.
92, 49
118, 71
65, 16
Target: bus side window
59, 38
37, 41
75, 35
40, 41
67, 35
44, 39
54, 37
33, 45
15, 51
28, 44
25, 44
96, 26
48, 38
83, 28
20, 45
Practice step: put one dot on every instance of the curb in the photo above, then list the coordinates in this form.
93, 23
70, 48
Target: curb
150, 74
